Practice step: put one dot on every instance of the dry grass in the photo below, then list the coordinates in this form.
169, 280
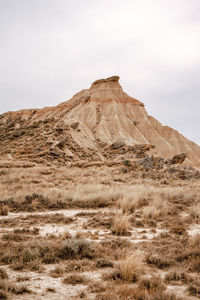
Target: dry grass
131, 268
152, 284
133, 292
121, 225
30, 255
149, 202
7, 288
4, 210
74, 279
3, 274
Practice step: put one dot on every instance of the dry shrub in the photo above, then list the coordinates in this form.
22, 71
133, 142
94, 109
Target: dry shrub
178, 275
129, 205
59, 271
8, 287
121, 225
150, 212
130, 292
80, 265
177, 229
96, 287
159, 261
122, 292
74, 279
194, 288
4, 210
104, 263
131, 268
3, 274
194, 264
152, 284
76, 248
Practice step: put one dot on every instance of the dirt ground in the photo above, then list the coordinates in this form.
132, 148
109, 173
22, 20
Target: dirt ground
98, 233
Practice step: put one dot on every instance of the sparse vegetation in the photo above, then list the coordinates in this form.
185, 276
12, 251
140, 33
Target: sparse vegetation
131, 268
118, 230
121, 225
74, 279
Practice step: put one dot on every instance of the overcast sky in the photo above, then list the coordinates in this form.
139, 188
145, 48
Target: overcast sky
51, 49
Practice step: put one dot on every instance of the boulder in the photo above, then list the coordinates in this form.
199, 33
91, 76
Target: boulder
152, 162
177, 159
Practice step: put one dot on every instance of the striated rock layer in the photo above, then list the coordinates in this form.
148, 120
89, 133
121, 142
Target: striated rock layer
87, 125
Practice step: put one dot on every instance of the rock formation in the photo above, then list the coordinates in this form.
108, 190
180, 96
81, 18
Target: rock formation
98, 123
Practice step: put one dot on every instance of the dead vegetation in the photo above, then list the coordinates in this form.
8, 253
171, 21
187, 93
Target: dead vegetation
113, 238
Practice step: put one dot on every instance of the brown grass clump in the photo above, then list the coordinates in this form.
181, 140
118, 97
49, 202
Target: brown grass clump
128, 269
128, 205
75, 248
96, 287
177, 229
131, 268
74, 279
4, 210
104, 263
3, 274
178, 275
57, 272
121, 225
132, 292
122, 292
7, 287
194, 288
152, 285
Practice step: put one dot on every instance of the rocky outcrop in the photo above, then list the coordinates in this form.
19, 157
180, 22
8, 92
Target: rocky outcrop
151, 162
177, 159
98, 123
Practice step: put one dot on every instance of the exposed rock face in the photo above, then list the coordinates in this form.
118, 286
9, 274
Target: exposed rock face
85, 127
177, 159
151, 162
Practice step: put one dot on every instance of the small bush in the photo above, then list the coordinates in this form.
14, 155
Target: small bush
121, 225
3, 274
4, 210
74, 279
103, 263
152, 284
122, 292
131, 268
7, 287
75, 248
177, 276
194, 289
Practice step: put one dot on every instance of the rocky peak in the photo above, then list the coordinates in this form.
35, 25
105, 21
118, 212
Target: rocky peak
109, 89
108, 84
110, 81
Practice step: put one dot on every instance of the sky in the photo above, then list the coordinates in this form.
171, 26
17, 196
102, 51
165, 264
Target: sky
51, 49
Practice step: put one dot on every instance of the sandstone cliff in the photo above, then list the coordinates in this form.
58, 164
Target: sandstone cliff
85, 126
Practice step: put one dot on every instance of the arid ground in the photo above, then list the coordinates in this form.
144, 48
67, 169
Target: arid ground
98, 232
